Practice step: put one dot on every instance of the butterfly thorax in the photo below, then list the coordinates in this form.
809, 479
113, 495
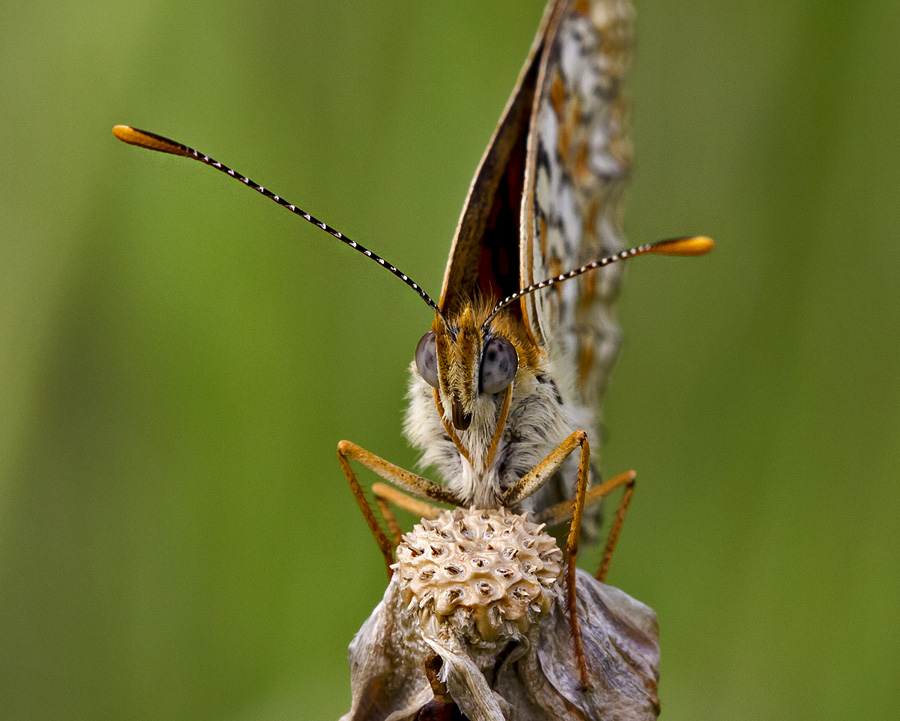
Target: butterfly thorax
480, 442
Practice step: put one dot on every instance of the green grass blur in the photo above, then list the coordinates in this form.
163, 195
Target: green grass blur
179, 358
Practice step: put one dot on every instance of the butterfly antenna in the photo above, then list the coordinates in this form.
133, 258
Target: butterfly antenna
151, 141
694, 245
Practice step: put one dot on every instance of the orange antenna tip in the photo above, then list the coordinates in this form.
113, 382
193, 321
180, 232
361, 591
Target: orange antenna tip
696, 245
151, 141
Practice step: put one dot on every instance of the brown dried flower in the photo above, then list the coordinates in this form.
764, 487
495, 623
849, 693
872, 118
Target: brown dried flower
480, 590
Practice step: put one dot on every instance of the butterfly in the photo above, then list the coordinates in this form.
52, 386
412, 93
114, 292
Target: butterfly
506, 384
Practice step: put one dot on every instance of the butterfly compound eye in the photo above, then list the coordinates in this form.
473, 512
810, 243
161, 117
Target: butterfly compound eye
499, 364
426, 359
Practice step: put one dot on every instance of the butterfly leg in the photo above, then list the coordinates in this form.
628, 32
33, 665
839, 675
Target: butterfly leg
626, 479
562, 512
530, 483
414, 484
388, 515
385, 495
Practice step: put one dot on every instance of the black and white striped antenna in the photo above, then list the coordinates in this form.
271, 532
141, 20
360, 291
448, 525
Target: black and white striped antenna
151, 141
693, 245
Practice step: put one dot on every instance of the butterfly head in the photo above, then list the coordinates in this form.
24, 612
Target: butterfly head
478, 351
466, 362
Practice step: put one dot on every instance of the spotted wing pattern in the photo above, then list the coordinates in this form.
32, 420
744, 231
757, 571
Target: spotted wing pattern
578, 162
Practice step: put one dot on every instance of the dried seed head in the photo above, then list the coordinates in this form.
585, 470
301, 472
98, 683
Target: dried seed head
536, 679
479, 569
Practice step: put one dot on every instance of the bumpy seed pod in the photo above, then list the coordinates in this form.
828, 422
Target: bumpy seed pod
480, 568
527, 676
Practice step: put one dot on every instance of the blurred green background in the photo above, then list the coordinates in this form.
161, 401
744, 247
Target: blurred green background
179, 358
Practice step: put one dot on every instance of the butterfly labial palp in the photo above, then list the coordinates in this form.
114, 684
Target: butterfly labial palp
506, 383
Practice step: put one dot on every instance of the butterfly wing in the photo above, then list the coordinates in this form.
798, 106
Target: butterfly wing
484, 258
578, 160
546, 196
546, 199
